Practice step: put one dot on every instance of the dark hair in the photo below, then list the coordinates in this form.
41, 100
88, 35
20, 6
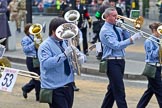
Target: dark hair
55, 23
154, 26
26, 28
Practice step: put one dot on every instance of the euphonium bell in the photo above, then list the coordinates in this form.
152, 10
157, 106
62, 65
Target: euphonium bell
36, 30
67, 31
72, 16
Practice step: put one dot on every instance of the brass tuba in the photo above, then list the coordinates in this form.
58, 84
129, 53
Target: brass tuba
68, 31
36, 30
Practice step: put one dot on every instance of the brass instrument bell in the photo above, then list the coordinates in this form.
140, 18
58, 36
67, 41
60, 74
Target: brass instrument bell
68, 31
36, 30
138, 22
72, 16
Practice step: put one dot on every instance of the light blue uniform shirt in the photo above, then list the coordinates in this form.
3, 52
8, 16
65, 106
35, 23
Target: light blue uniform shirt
52, 64
152, 50
111, 46
28, 46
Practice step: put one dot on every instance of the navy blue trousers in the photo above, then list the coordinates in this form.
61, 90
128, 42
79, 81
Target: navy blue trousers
154, 87
32, 84
63, 97
115, 89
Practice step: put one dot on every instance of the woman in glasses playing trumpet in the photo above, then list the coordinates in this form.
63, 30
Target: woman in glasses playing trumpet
152, 58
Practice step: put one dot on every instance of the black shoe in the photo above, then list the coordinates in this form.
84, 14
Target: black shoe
24, 94
37, 98
99, 56
75, 88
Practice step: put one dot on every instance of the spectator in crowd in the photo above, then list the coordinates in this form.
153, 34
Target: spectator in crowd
160, 11
22, 13
4, 26
98, 24
127, 7
12, 7
8, 12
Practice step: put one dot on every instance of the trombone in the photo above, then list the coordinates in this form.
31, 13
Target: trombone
138, 22
23, 73
137, 26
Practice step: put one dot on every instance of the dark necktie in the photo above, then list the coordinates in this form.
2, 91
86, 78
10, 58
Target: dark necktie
117, 33
66, 63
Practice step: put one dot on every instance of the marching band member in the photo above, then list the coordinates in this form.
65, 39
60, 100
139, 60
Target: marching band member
152, 58
4, 26
30, 51
57, 71
114, 40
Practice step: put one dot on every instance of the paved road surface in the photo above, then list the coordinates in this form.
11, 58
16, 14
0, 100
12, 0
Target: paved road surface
92, 90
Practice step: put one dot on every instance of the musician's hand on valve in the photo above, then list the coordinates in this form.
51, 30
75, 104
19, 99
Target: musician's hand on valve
68, 51
82, 58
136, 36
37, 41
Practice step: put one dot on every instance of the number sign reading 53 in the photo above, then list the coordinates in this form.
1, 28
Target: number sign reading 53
8, 79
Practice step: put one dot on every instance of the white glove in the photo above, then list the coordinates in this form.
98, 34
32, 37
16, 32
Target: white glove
81, 58
136, 36
80, 37
2, 40
120, 23
68, 51
37, 41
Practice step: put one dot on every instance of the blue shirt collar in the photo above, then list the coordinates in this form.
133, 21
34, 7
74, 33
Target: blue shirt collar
109, 24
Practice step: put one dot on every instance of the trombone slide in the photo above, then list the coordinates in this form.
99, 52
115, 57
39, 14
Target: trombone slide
24, 73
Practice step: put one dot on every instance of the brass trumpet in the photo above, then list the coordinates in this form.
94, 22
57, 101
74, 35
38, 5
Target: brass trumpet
36, 30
